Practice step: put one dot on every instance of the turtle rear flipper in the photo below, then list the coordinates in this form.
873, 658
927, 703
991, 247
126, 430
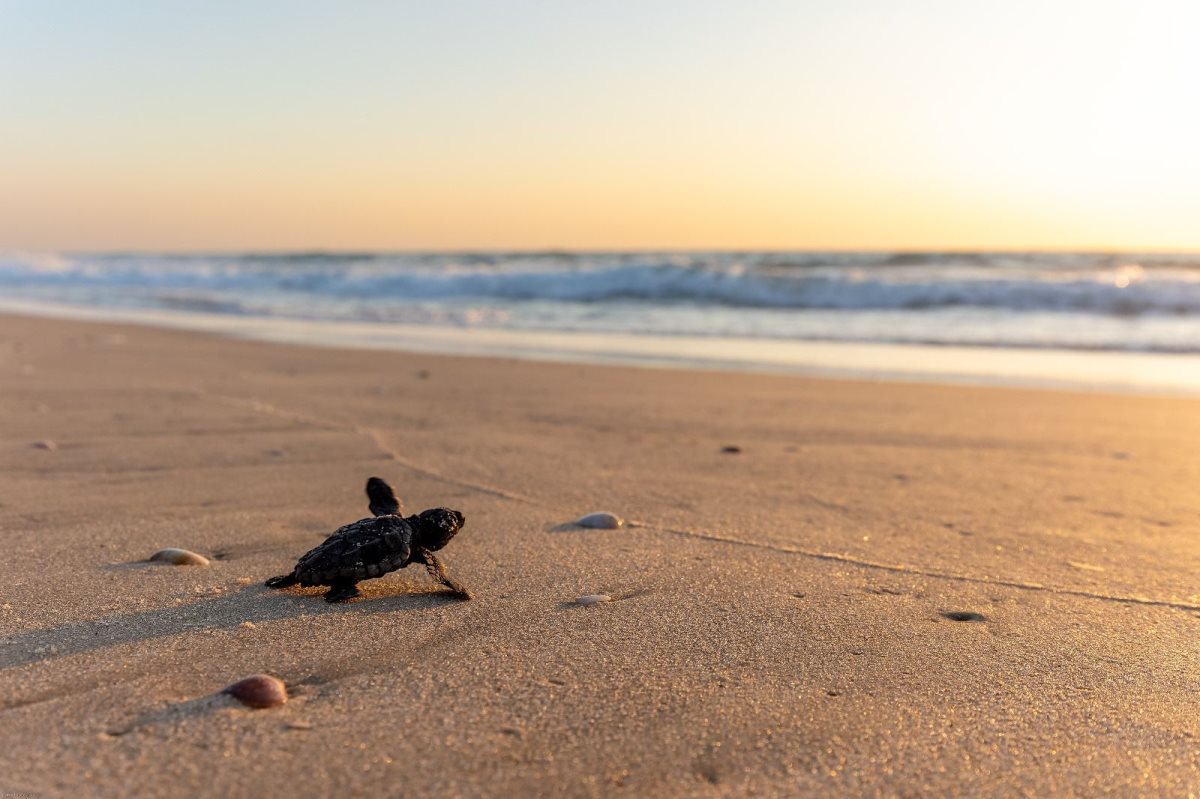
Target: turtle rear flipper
382, 498
341, 590
282, 581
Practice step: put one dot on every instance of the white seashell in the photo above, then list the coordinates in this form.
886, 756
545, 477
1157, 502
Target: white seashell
601, 520
593, 599
259, 690
179, 557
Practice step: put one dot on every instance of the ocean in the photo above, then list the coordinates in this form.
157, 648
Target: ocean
973, 311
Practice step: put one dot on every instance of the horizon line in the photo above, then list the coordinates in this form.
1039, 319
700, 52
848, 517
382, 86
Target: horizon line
550, 251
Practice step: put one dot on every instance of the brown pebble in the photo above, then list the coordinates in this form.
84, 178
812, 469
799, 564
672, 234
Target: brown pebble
732, 449
259, 691
178, 557
46, 444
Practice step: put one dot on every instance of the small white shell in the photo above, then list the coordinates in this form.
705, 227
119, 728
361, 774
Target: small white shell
593, 599
601, 520
179, 557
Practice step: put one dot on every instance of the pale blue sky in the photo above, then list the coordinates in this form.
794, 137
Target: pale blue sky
658, 124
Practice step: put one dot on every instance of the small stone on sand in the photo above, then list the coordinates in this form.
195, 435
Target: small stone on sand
593, 599
963, 615
259, 691
46, 444
178, 557
731, 449
601, 520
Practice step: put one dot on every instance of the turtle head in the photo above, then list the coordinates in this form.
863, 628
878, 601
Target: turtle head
437, 526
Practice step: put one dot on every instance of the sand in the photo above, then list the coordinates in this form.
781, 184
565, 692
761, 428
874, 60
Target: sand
778, 623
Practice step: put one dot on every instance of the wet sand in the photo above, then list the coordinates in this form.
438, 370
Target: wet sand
783, 619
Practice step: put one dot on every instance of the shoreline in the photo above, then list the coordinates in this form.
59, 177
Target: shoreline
1138, 373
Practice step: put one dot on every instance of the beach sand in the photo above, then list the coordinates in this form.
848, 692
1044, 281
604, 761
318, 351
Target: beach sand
777, 622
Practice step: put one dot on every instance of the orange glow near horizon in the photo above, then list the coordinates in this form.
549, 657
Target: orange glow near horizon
686, 126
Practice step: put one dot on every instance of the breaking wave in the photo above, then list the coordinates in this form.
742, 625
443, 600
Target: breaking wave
865, 282
1075, 300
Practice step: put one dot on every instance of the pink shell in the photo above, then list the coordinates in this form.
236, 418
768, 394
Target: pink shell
259, 690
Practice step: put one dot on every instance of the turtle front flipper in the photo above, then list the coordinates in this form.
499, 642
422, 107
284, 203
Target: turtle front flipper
282, 581
342, 590
437, 570
383, 500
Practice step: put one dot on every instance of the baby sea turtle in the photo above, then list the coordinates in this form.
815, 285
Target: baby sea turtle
373, 547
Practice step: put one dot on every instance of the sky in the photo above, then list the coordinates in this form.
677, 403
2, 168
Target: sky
681, 124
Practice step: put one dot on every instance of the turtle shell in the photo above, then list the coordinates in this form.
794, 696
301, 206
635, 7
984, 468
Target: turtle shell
366, 548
